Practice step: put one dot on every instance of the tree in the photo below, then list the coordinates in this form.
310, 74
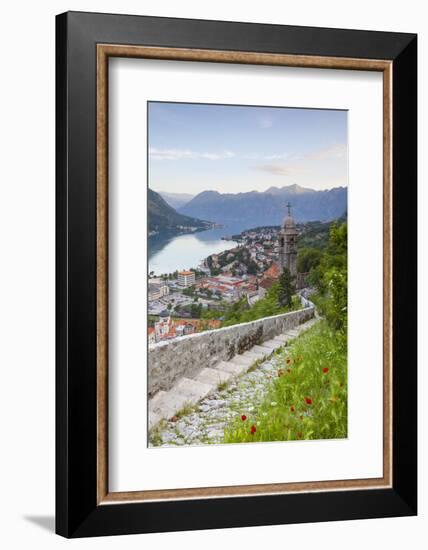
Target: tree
188, 291
286, 288
336, 310
252, 268
330, 278
308, 259
196, 310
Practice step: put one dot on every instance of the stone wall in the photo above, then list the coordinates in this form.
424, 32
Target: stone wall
186, 356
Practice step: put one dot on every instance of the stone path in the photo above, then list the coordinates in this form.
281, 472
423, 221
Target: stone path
216, 395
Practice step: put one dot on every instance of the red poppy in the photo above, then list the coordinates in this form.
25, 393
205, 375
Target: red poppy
288, 360
325, 370
253, 429
308, 400
243, 417
292, 409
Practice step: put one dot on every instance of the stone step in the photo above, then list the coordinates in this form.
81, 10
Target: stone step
154, 418
292, 334
193, 389
262, 349
273, 344
282, 338
213, 376
254, 355
156, 398
154, 404
172, 403
234, 368
296, 331
165, 407
185, 392
280, 341
242, 360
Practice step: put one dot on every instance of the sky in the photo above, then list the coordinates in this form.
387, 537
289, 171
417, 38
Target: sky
236, 149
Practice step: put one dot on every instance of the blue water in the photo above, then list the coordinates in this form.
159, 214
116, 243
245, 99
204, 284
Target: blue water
167, 254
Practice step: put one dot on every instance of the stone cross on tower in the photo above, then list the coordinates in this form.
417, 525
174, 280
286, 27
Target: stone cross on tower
288, 244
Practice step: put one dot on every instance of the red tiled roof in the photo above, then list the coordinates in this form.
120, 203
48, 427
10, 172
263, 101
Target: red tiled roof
267, 283
273, 272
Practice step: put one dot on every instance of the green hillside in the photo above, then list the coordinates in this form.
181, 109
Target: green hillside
163, 218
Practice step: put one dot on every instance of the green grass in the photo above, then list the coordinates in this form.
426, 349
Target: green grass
155, 439
187, 409
306, 401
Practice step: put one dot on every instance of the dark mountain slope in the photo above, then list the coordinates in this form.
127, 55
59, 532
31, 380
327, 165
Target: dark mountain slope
176, 200
162, 217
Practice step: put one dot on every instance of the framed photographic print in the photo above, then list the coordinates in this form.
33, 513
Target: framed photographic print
236, 274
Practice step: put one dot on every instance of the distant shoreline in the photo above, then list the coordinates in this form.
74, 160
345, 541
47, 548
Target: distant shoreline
157, 242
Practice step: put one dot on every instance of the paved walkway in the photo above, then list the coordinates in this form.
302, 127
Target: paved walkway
242, 389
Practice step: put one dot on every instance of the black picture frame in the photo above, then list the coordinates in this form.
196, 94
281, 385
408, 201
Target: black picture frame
77, 511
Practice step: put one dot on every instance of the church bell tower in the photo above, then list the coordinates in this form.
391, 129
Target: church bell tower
288, 244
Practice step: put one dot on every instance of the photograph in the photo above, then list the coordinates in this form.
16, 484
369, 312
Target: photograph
247, 274
212, 275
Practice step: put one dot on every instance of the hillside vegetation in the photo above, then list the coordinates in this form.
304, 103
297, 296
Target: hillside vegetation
162, 217
241, 312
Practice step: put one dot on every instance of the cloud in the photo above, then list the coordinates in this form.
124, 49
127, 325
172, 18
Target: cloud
338, 150
186, 154
279, 169
276, 156
251, 156
298, 164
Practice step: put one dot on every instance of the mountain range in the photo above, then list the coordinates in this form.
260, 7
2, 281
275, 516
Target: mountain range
163, 218
256, 208
176, 200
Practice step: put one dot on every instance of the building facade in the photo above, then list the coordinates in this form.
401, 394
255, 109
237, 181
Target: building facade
157, 289
186, 278
288, 244
151, 336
